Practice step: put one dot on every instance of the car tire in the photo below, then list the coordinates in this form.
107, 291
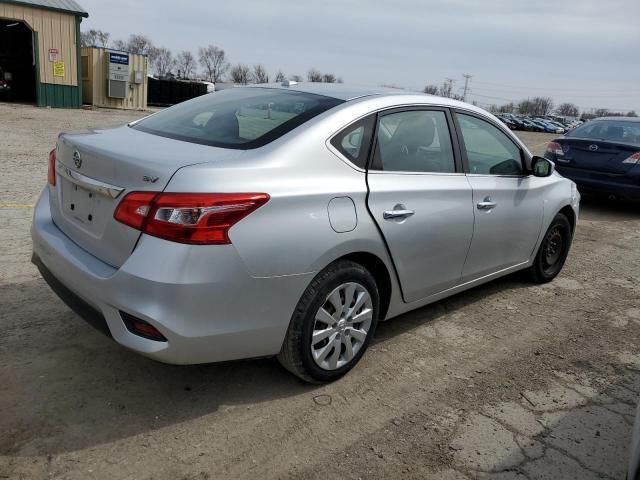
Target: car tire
553, 251
316, 346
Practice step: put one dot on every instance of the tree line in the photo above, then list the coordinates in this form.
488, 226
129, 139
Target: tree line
536, 106
209, 63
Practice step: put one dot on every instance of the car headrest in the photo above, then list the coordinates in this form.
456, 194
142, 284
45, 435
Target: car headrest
414, 131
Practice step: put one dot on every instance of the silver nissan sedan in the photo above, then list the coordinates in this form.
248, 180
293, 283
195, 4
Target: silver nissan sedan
288, 219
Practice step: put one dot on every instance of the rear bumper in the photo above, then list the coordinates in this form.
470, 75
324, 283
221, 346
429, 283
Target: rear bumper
200, 298
627, 186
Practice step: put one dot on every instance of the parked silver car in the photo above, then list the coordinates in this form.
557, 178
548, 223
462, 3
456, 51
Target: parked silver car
289, 219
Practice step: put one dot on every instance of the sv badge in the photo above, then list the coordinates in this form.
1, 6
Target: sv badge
150, 179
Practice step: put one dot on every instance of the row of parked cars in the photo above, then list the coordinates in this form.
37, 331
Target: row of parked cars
538, 124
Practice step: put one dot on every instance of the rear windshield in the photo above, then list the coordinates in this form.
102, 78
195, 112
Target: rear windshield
613, 130
239, 118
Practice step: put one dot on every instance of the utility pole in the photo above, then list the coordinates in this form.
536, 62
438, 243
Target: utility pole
467, 77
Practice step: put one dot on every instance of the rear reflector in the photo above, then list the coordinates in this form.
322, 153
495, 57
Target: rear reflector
555, 147
633, 159
141, 328
51, 174
193, 218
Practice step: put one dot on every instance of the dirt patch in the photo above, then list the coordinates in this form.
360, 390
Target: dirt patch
508, 380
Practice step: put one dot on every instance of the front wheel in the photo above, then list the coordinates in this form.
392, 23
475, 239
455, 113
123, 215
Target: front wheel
333, 323
553, 251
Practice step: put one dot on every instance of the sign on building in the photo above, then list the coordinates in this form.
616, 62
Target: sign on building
58, 69
118, 71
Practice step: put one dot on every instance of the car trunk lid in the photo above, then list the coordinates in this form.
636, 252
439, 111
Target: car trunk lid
96, 169
597, 155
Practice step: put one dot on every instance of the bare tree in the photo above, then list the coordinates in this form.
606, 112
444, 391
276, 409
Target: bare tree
542, 105
602, 112
632, 113
163, 62
329, 78
140, 44
240, 74
431, 89
185, 63
280, 76
119, 45
568, 109
339, 80
297, 78
314, 75
525, 107
214, 62
507, 108
260, 74
97, 38
447, 88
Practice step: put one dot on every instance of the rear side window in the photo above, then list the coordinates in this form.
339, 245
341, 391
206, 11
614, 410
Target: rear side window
613, 130
414, 141
354, 141
240, 118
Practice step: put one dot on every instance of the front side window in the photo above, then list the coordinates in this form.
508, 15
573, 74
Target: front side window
414, 141
489, 150
239, 118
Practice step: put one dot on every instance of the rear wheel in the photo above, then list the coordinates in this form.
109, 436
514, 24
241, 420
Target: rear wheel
553, 251
333, 323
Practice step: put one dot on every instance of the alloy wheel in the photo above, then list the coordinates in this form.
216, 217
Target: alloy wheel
341, 326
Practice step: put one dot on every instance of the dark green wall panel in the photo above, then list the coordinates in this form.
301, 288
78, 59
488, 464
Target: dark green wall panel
59, 96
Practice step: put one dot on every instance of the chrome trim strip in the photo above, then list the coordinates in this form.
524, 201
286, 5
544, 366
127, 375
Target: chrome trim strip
88, 183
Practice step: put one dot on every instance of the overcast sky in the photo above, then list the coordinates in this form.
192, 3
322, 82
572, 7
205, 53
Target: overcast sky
582, 51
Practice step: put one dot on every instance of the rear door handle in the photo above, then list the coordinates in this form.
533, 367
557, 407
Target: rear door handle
399, 212
486, 204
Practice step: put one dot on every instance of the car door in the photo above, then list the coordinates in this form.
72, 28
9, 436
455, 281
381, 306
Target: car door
420, 198
508, 202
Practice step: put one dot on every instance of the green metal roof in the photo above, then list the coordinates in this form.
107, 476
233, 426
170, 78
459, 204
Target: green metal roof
64, 6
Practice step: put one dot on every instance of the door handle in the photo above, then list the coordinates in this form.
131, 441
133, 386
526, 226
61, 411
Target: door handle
399, 212
486, 204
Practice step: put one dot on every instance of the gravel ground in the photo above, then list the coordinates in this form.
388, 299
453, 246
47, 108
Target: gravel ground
506, 381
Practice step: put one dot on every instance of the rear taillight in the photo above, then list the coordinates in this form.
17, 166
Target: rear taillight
194, 218
555, 147
633, 159
51, 174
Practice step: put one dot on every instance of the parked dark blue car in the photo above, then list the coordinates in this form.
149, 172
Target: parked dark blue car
602, 155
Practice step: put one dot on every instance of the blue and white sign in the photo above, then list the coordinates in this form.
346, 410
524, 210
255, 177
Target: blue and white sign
119, 58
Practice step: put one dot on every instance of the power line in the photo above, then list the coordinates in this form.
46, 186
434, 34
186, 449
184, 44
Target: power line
571, 89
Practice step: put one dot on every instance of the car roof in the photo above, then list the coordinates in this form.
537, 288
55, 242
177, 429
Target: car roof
339, 91
623, 119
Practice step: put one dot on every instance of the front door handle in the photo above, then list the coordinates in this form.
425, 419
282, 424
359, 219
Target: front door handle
486, 204
399, 212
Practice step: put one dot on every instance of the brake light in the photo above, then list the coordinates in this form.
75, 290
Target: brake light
555, 147
633, 159
194, 218
51, 174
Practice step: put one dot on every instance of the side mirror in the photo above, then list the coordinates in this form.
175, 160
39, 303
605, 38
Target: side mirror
542, 167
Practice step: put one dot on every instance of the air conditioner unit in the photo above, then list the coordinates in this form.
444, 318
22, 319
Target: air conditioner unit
118, 74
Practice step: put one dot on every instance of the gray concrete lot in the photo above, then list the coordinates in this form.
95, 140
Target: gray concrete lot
506, 381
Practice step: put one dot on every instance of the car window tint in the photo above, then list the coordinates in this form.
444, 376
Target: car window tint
354, 141
237, 118
489, 150
614, 130
414, 141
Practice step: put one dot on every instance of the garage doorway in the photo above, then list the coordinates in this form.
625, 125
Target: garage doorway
17, 62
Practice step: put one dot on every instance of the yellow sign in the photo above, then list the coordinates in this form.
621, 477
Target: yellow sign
58, 69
